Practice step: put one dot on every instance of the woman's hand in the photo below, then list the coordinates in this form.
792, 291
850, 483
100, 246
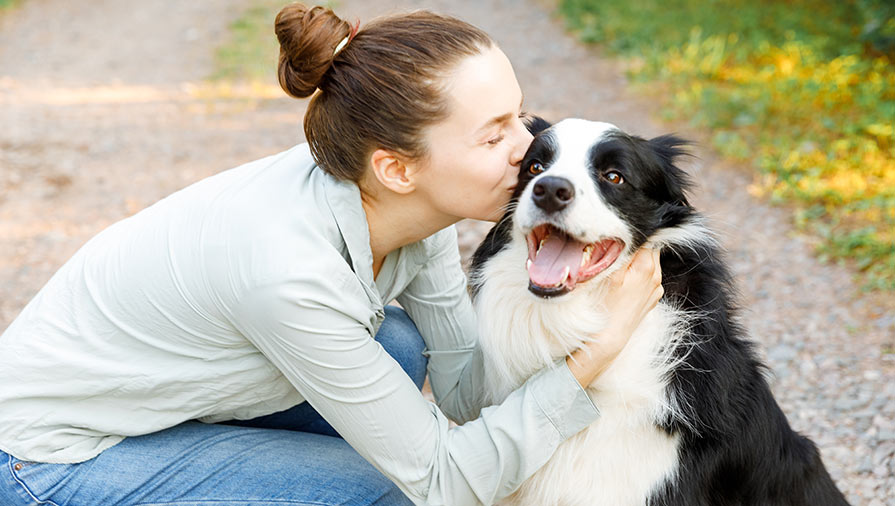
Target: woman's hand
633, 292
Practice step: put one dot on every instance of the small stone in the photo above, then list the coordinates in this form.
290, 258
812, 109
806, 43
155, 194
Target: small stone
782, 353
807, 368
868, 486
872, 375
883, 452
865, 413
866, 465
845, 404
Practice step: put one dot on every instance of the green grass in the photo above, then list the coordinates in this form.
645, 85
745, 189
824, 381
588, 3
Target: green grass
629, 27
7, 4
252, 50
803, 91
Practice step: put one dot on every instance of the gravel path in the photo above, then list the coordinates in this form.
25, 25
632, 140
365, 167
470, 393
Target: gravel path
100, 117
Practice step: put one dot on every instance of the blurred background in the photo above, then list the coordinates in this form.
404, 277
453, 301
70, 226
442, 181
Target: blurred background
107, 106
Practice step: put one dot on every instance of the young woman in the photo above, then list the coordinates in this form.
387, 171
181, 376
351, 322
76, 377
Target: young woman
213, 348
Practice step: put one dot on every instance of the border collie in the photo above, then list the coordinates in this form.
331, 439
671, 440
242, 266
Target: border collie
686, 414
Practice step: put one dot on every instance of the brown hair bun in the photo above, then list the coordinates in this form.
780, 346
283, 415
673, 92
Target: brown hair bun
308, 37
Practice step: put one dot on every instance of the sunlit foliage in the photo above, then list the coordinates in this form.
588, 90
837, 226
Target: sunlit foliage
803, 90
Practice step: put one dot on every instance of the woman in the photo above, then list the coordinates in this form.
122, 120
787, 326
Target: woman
254, 295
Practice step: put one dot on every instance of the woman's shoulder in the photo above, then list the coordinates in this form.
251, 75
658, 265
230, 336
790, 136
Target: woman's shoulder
280, 195
263, 218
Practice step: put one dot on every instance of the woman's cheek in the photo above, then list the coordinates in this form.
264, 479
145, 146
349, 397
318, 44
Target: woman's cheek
502, 167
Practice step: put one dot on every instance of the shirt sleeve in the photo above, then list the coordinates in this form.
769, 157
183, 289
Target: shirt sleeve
439, 304
304, 327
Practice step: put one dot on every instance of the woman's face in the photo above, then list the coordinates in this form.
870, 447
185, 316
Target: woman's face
474, 154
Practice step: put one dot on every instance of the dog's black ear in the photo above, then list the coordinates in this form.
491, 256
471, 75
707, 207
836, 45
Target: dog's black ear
536, 124
669, 149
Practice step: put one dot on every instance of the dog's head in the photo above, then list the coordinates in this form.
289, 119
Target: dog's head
589, 196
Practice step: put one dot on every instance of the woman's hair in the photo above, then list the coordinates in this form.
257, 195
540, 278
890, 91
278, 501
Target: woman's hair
378, 91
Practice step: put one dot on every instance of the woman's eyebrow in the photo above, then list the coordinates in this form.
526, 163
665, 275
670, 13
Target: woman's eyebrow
500, 119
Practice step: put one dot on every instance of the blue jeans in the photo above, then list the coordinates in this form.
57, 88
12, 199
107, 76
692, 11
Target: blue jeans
293, 457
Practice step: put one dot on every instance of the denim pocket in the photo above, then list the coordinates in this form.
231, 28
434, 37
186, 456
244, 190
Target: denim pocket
38, 481
11, 490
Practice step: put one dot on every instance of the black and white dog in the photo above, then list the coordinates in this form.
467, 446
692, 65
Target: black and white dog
686, 415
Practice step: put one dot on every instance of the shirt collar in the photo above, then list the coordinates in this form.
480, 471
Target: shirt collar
344, 200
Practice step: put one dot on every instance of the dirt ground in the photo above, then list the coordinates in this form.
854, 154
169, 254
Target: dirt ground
102, 112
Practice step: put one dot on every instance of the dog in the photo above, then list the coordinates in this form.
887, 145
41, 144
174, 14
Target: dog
686, 414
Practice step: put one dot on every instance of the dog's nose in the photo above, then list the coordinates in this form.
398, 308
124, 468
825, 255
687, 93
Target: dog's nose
553, 193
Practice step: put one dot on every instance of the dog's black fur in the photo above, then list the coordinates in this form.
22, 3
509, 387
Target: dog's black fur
737, 447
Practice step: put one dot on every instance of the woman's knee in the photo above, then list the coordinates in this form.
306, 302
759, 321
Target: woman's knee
401, 339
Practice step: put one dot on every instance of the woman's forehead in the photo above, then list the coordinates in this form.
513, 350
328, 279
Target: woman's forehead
483, 89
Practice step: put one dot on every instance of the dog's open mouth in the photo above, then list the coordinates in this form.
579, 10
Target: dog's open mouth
558, 262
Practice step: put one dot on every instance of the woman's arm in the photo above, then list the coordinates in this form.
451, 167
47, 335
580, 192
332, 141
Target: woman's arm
309, 329
438, 302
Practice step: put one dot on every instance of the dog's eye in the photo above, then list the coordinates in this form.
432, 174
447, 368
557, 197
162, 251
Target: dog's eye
535, 168
614, 177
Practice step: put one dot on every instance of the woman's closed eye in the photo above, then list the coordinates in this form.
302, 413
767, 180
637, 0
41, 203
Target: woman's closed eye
496, 140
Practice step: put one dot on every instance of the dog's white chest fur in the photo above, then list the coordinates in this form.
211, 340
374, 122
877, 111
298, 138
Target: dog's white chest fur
623, 456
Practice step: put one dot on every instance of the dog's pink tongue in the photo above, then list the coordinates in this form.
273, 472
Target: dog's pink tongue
548, 267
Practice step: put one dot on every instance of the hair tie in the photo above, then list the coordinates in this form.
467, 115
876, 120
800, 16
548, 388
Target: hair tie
344, 42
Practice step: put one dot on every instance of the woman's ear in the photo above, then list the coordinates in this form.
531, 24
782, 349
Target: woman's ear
392, 171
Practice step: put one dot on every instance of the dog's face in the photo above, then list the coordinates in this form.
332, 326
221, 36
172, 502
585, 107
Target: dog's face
588, 197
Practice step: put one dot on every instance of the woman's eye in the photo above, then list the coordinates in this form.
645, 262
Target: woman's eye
614, 177
495, 140
535, 168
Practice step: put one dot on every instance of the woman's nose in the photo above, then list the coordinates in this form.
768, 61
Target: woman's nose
523, 140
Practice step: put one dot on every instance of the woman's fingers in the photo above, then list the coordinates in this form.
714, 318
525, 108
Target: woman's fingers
642, 262
657, 271
641, 267
633, 292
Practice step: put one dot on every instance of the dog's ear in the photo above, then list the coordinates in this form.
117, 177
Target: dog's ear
669, 149
536, 124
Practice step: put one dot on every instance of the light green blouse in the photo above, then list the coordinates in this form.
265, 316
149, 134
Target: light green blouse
252, 291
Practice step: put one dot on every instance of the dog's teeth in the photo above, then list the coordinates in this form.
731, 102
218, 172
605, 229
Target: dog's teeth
542, 243
565, 275
585, 258
528, 264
